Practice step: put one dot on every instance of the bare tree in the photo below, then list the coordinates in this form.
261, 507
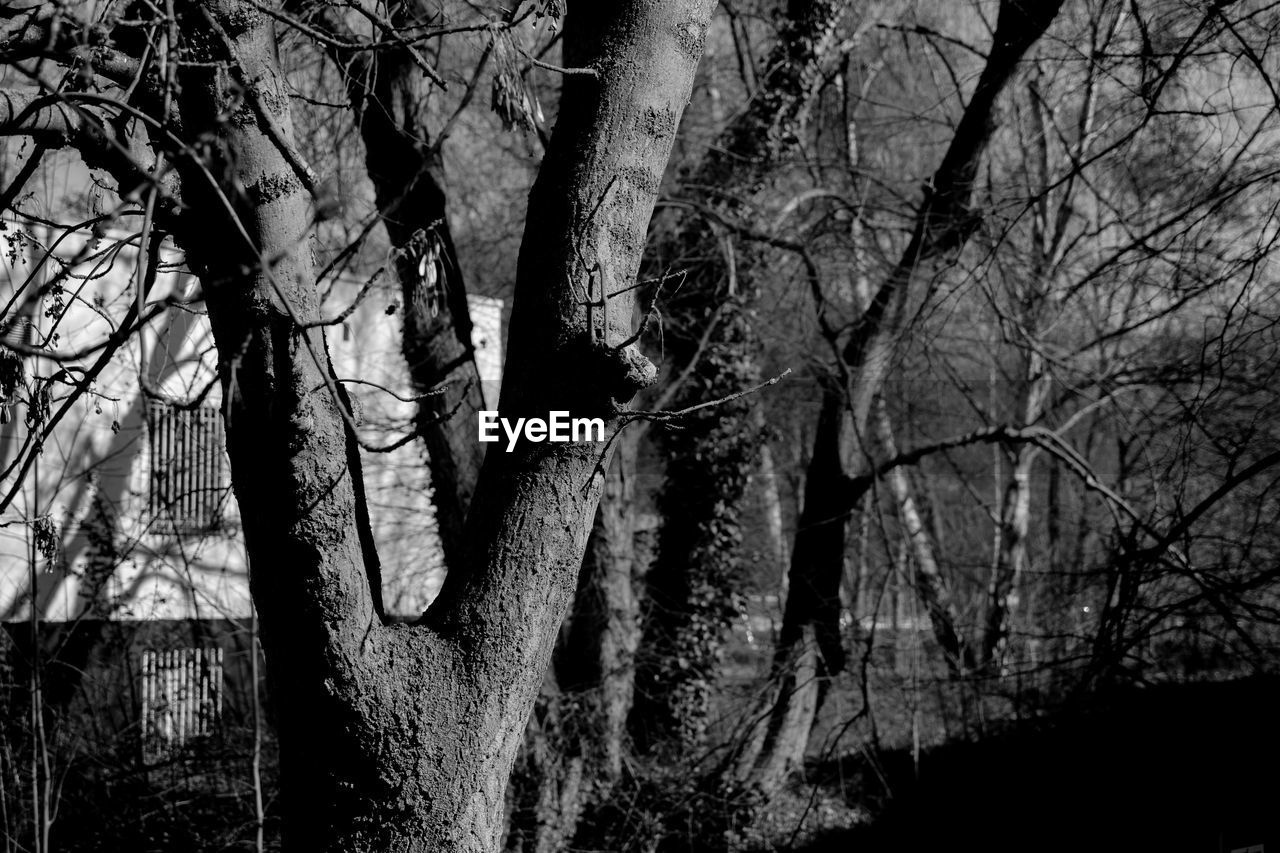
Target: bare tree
392, 736
810, 647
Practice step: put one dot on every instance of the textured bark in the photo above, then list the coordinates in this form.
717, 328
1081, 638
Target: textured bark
693, 593
692, 596
387, 93
599, 663
401, 737
943, 224
550, 784
576, 741
295, 466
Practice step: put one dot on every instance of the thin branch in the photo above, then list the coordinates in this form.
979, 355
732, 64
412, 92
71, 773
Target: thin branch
355, 303
568, 72
434, 392
626, 418
46, 118
668, 417
673, 387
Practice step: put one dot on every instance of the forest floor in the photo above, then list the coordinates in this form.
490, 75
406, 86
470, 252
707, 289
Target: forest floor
1176, 767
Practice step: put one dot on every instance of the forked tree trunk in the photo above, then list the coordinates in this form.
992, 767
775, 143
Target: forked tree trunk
401, 737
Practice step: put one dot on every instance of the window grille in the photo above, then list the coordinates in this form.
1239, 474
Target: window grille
187, 482
19, 331
181, 698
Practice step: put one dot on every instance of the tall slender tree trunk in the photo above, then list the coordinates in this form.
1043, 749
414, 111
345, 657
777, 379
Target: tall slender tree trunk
771, 497
1033, 300
1011, 557
943, 224
810, 648
692, 596
931, 586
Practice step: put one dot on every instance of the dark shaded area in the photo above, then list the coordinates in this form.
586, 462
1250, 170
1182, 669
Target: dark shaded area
1188, 767
110, 793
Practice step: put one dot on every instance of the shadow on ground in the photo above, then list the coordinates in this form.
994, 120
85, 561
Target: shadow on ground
1191, 768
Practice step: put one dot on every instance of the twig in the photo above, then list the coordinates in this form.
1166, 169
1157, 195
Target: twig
389, 31
559, 69
643, 326
403, 440
629, 417
673, 387
355, 303
667, 417
434, 392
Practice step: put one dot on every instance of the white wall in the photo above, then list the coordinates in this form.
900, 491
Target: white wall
99, 453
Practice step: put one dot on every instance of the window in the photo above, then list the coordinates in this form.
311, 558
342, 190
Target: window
187, 482
181, 699
19, 332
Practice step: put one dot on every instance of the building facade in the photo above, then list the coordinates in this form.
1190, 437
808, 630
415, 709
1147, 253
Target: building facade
123, 570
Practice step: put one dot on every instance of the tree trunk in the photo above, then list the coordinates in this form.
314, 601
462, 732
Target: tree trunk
1011, 559
550, 782
692, 595
1033, 300
599, 664
401, 737
809, 648
387, 93
931, 586
577, 739
771, 498
943, 224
